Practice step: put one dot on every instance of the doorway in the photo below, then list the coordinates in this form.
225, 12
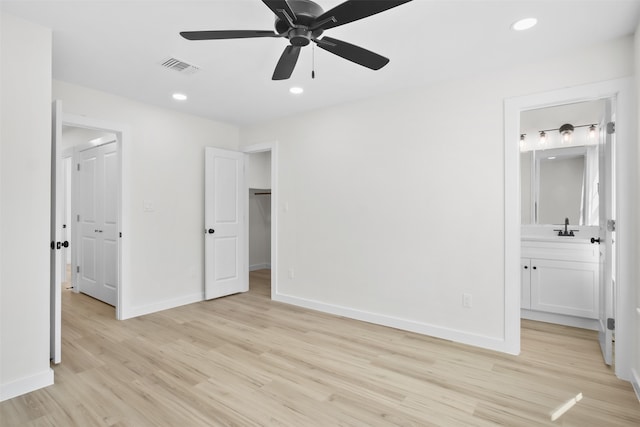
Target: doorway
262, 210
90, 203
96, 131
560, 188
259, 213
620, 91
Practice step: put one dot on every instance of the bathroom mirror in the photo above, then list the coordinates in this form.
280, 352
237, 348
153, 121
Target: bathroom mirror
560, 183
558, 172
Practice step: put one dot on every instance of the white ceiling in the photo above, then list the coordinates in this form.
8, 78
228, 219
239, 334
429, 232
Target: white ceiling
116, 46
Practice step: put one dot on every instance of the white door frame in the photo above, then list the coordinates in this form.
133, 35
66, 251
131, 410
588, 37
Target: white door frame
259, 148
123, 146
625, 174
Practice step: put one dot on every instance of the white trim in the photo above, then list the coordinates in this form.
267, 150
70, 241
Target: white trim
26, 385
476, 340
162, 305
273, 147
621, 91
263, 266
123, 134
561, 319
635, 382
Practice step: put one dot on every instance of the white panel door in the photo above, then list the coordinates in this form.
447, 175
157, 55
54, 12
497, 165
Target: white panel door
606, 234
56, 236
97, 223
226, 265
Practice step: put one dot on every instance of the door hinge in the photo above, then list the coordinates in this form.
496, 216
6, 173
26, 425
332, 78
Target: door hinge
611, 128
78, 217
77, 269
611, 225
611, 324
78, 166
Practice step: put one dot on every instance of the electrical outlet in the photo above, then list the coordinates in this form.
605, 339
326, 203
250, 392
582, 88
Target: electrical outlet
291, 273
467, 300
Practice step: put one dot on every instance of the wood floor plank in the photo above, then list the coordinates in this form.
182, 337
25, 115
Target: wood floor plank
245, 360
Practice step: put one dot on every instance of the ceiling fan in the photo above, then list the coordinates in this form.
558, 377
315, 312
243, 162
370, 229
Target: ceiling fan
303, 22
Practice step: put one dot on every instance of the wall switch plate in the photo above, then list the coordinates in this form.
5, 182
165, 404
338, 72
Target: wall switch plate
467, 300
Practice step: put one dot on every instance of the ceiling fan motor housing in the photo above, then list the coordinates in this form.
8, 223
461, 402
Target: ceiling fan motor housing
306, 11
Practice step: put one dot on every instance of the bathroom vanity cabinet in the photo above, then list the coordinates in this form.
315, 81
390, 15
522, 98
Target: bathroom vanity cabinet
560, 280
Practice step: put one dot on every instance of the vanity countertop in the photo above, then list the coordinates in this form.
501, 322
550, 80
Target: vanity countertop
557, 239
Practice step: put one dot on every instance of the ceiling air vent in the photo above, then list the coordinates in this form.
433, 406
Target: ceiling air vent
179, 66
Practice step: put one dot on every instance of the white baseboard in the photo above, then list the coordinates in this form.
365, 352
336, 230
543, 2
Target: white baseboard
26, 385
635, 382
476, 340
262, 266
560, 319
161, 305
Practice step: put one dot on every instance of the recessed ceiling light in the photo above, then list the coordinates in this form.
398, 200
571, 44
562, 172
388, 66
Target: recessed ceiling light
524, 24
296, 90
179, 96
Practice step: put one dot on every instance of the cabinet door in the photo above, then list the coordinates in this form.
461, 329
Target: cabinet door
565, 287
525, 283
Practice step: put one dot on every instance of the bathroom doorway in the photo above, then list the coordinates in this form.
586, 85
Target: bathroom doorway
561, 187
619, 92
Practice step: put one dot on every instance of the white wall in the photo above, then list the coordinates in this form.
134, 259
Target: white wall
399, 210
259, 165
165, 168
25, 156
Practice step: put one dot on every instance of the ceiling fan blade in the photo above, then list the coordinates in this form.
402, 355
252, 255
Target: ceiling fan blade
222, 35
353, 53
352, 10
280, 7
287, 63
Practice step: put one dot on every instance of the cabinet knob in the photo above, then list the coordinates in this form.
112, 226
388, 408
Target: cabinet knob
526, 267
535, 268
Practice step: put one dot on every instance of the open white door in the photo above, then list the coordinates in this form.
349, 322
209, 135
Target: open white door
606, 233
226, 268
56, 236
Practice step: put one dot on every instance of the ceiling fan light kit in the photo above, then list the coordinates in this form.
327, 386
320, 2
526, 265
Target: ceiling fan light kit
303, 22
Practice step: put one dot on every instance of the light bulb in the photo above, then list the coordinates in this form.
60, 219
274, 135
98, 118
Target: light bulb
543, 137
592, 131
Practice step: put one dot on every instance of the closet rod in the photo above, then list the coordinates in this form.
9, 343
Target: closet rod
262, 194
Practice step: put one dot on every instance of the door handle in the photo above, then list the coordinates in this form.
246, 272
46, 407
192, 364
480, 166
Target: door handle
59, 245
595, 240
211, 231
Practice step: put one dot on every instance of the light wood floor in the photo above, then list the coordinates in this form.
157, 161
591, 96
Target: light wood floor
247, 361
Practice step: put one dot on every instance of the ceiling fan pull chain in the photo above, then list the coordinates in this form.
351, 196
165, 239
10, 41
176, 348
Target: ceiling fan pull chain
313, 61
